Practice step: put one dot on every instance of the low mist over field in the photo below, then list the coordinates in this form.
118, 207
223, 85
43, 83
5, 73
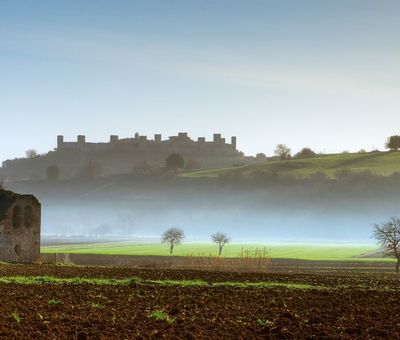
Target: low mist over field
327, 211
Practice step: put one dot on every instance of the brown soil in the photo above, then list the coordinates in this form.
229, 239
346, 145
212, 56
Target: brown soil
181, 262
356, 306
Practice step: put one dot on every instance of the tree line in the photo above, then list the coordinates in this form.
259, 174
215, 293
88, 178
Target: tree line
283, 152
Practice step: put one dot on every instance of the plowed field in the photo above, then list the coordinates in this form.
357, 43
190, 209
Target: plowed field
310, 306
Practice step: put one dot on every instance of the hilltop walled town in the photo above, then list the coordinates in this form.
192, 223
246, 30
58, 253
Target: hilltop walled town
181, 143
124, 155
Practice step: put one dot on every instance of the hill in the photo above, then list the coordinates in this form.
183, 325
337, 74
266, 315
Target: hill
123, 156
379, 163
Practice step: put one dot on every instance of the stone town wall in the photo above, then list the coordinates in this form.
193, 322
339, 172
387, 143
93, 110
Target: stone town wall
180, 143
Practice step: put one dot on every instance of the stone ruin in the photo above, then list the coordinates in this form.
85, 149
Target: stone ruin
19, 227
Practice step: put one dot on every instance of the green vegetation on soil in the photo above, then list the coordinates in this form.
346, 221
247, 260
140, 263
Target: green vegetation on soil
381, 163
181, 283
286, 251
162, 316
34, 280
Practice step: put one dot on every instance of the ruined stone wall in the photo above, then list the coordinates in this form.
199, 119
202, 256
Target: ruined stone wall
20, 230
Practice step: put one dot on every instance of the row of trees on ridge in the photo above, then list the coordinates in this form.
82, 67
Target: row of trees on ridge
284, 152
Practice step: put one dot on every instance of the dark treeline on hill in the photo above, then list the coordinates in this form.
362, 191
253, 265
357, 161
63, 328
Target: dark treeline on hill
342, 179
262, 188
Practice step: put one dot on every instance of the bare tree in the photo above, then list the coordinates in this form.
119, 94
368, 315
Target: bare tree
221, 239
282, 151
172, 236
31, 153
388, 235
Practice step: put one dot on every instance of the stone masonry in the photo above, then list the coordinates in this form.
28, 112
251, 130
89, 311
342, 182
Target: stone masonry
19, 227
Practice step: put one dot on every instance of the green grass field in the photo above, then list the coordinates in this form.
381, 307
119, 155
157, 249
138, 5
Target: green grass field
381, 163
289, 251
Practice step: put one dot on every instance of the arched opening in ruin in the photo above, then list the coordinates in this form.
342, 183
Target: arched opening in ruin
17, 216
17, 249
28, 216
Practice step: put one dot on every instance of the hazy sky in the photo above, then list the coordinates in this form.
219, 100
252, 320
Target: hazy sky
324, 74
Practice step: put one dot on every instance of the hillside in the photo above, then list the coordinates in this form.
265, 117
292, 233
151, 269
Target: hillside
380, 163
266, 209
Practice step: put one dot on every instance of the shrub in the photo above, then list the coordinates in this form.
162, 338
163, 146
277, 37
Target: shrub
305, 153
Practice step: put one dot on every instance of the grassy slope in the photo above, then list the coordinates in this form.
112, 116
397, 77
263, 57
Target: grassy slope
382, 163
306, 252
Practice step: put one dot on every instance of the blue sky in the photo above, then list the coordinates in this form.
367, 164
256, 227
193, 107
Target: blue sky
323, 74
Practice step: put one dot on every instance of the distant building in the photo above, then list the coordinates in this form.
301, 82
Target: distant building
19, 227
181, 143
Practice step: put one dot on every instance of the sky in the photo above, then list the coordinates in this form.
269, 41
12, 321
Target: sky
321, 74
